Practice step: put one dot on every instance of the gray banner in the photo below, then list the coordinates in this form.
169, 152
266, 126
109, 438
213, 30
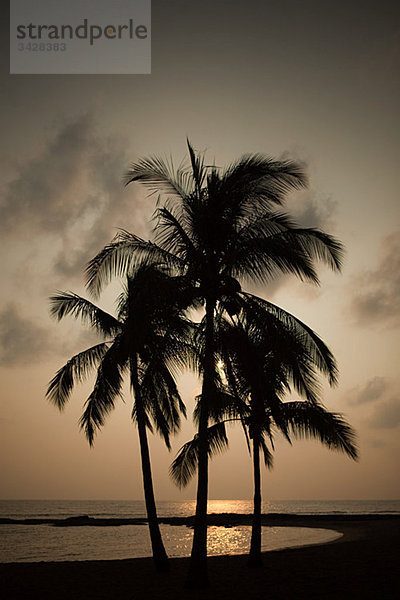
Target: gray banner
80, 37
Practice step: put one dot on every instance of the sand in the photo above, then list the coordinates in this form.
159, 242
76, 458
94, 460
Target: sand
362, 564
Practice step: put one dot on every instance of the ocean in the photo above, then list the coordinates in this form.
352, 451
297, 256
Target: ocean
33, 543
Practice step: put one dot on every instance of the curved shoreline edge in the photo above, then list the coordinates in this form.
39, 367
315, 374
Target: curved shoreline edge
361, 565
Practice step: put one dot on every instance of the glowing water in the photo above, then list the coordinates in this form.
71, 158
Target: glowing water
21, 543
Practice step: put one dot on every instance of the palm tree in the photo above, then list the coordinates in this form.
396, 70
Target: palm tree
260, 365
149, 339
263, 364
216, 228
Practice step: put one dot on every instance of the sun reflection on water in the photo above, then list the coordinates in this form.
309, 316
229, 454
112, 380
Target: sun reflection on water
236, 540
228, 540
219, 506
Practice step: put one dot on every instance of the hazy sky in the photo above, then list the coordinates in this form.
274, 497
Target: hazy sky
312, 80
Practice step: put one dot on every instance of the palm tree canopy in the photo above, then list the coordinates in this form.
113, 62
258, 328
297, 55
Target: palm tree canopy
150, 327
263, 363
219, 226
265, 357
302, 420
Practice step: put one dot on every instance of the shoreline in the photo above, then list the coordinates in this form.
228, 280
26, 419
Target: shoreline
213, 519
361, 564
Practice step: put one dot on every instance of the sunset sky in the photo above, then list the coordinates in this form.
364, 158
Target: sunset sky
312, 80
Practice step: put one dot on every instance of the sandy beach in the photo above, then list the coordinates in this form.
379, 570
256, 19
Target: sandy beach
362, 564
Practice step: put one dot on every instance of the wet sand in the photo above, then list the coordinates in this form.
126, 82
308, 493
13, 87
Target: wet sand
362, 564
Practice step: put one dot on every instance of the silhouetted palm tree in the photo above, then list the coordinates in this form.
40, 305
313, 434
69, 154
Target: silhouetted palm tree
216, 228
148, 340
261, 365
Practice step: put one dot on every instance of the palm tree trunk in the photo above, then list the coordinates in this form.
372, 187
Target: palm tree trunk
160, 557
198, 571
255, 559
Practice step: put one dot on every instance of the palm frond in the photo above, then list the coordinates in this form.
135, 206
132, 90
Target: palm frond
198, 170
161, 399
185, 464
224, 406
170, 234
67, 303
121, 255
75, 370
305, 380
106, 389
160, 176
239, 395
275, 244
268, 456
321, 246
258, 257
261, 224
254, 176
311, 421
147, 420
262, 311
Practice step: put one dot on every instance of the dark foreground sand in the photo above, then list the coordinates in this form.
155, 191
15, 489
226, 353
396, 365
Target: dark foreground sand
363, 564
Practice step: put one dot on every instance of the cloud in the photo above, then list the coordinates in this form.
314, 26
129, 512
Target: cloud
386, 415
373, 390
70, 197
375, 443
21, 341
37, 196
307, 207
377, 299
381, 394
309, 210
78, 340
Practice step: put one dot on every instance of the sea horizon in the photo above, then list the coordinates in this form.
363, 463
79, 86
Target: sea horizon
114, 499
44, 542
224, 505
